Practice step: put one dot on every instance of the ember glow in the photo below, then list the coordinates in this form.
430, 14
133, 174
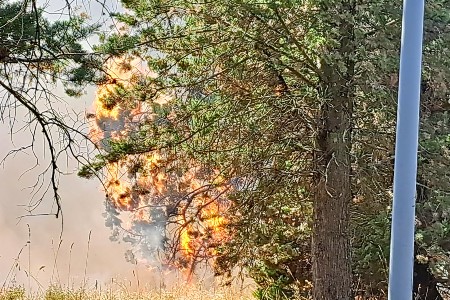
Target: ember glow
179, 213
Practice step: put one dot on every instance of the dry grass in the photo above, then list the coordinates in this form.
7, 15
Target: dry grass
186, 292
115, 289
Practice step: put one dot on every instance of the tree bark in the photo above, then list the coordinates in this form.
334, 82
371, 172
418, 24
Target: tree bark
331, 249
332, 274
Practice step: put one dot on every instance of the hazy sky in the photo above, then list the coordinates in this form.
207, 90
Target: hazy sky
82, 208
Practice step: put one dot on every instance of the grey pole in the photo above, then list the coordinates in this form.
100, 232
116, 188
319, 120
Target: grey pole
406, 145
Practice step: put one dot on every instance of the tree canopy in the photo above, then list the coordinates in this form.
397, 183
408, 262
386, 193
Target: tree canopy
293, 104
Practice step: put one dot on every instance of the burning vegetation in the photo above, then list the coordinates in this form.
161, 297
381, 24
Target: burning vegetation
171, 216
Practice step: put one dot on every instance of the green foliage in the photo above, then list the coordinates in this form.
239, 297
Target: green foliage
14, 36
433, 229
89, 171
118, 44
273, 290
371, 248
54, 48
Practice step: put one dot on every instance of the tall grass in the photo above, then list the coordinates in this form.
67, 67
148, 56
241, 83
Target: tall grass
171, 287
182, 292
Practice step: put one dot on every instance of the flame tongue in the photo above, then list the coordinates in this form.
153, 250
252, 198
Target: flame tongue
203, 229
198, 239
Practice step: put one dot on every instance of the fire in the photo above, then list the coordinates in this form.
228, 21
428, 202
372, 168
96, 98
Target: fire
131, 195
215, 223
140, 184
152, 176
203, 229
116, 116
118, 74
101, 111
120, 193
185, 242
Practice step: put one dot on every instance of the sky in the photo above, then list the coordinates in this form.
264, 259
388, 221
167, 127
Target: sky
32, 245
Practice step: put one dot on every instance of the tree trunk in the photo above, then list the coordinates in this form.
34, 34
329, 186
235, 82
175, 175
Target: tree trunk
332, 274
331, 250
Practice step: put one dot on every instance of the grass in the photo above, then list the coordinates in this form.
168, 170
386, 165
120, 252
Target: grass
115, 289
182, 292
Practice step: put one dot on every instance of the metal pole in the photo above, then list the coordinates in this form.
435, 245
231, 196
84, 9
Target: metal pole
406, 145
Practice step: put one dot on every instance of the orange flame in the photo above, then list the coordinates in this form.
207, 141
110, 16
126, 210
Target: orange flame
202, 219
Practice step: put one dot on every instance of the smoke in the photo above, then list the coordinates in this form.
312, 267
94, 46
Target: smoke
43, 257
145, 237
39, 251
